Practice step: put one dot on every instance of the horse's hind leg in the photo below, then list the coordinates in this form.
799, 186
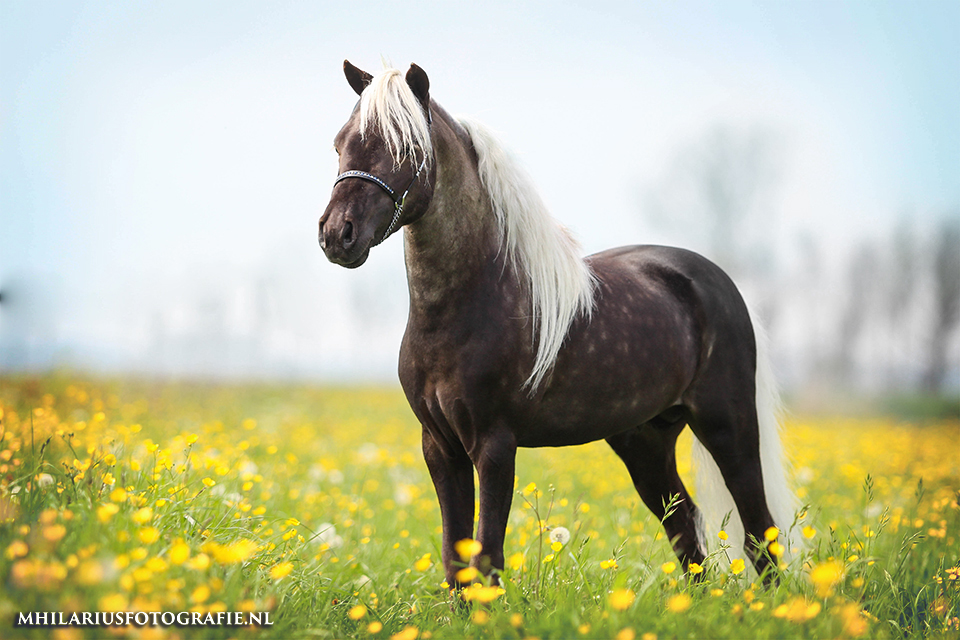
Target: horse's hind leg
730, 433
649, 452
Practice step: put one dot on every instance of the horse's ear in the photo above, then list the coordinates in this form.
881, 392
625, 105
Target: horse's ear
357, 78
420, 85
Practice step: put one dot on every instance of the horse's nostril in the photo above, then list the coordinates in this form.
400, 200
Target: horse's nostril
348, 238
323, 245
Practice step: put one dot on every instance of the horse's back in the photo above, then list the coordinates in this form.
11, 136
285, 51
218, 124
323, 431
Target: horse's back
686, 274
717, 317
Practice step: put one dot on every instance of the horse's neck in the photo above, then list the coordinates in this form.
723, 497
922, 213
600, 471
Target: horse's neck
456, 242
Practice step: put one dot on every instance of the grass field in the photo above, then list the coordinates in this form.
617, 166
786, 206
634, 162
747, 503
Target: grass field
313, 504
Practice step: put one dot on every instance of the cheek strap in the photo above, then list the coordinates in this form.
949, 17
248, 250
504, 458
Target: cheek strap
397, 202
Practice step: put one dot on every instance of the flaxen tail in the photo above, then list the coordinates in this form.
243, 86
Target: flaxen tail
713, 498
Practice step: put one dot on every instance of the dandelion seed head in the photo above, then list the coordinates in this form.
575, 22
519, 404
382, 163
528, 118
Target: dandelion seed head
560, 534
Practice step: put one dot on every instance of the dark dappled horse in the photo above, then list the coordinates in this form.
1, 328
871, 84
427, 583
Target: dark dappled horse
514, 340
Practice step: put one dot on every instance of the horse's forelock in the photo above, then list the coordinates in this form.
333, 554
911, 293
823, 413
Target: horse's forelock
389, 107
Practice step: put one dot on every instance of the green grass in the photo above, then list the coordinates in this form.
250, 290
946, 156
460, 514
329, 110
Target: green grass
314, 503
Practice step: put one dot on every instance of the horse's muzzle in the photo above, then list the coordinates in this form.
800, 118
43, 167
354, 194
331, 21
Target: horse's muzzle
341, 243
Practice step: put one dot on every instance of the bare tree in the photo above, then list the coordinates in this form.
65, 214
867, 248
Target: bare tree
718, 193
861, 290
946, 275
901, 283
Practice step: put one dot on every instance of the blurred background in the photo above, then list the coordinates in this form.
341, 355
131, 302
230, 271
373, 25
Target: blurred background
163, 167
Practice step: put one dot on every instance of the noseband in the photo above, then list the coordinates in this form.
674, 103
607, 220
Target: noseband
397, 202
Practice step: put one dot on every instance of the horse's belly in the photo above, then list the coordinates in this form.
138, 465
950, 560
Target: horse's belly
601, 397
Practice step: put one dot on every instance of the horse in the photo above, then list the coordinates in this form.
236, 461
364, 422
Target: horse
515, 340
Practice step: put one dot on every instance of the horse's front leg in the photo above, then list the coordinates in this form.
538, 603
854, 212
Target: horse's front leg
452, 474
495, 468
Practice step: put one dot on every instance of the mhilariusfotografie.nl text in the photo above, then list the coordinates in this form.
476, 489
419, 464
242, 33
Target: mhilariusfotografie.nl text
142, 619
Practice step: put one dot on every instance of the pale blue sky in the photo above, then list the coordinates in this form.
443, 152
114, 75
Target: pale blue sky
145, 146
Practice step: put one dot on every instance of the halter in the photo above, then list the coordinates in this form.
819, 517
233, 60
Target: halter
397, 202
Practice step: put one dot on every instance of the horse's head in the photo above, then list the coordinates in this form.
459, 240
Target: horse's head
385, 180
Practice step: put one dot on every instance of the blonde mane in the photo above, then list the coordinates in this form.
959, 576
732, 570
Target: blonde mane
541, 249
560, 283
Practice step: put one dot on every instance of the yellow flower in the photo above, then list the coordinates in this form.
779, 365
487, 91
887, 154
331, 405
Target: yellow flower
481, 593
771, 534
621, 599
107, 511
191, 438
200, 562
209, 482
408, 633
723, 535
374, 627
668, 567
854, 624
825, 575
149, 535
200, 594
480, 617
608, 564
423, 563
235, 552
115, 602
467, 574
467, 548
679, 603
357, 612
89, 573
716, 593
627, 633
694, 568
516, 561
142, 516
776, 549
118, 495
797, 610
17, 549
530, 488
281, 570
156, 565
737, 566
54, 532
516, 620
809, 532
179, 552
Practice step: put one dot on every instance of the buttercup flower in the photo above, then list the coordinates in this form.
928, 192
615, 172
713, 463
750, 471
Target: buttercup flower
621, 599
